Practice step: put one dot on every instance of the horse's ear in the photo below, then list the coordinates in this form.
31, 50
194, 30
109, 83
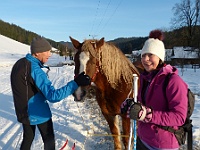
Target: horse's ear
75, 42
100, 42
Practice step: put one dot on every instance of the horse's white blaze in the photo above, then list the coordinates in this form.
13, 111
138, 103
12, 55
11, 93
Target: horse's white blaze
83, 57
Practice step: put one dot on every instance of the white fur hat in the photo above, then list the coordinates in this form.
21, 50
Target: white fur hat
154, 46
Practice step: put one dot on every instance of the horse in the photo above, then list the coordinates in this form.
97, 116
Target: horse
112, 74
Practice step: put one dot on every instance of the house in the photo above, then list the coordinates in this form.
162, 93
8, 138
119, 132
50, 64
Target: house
183, 55
177, 56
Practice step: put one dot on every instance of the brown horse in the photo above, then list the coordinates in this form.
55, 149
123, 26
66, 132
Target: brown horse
112, 74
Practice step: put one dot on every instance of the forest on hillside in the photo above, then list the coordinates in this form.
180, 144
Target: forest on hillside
177, 37
22, 35
172, 38
185, 31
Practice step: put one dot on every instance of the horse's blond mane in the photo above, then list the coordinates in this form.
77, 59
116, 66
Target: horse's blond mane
113, 64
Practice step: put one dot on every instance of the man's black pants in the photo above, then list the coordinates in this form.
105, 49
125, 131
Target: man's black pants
46, 131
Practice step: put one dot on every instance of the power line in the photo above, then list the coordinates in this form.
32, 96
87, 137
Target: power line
95, 17
104, 14
102, 18
110, 16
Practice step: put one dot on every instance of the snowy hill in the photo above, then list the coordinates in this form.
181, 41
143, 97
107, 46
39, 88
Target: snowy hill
12, 49
80, 123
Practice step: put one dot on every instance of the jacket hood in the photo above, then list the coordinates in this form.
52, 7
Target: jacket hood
169, 69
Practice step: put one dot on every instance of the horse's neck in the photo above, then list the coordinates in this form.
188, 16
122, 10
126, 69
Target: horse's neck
101, 81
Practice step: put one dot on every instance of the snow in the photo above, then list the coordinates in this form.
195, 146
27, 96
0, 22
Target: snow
80, 123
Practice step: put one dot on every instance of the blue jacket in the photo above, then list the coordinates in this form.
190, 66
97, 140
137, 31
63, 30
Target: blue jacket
32, 90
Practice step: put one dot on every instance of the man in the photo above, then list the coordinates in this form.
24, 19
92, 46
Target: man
32, 89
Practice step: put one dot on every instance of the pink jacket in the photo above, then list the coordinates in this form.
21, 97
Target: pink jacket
166, 112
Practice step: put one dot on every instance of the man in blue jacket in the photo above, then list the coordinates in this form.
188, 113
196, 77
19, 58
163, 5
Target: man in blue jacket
32, 89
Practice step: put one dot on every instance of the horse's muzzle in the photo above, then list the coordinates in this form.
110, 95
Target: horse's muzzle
79, 94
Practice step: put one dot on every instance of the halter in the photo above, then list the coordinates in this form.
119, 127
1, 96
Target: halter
94, 44
97, 66
95, 74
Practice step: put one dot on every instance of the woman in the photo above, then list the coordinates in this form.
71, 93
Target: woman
156, 106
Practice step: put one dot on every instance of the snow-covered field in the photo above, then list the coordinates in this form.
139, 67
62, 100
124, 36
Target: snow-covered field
80, 123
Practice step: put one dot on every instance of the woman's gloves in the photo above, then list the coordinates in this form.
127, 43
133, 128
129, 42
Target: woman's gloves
136, 111
82, 79
140, 112
126, 104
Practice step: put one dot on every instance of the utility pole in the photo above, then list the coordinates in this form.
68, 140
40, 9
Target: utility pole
93, 36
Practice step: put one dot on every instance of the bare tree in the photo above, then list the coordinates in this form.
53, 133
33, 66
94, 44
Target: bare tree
186, 16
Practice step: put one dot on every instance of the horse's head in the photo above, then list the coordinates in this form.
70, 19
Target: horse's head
86, 58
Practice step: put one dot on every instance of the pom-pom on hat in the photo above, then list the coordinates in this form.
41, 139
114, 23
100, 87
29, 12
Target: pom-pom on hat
154, 45
40, 44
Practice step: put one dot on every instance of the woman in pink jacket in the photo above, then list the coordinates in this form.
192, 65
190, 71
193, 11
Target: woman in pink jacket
156, 105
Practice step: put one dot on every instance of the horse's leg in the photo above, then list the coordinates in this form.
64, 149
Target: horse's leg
126, 130
113, 123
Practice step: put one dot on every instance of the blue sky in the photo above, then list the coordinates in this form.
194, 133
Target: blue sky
83, 19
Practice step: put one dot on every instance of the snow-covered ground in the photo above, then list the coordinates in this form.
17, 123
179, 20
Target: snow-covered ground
80, 123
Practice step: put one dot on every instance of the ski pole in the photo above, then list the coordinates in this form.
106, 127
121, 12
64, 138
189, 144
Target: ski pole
135, 78
130, 134
133, 123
